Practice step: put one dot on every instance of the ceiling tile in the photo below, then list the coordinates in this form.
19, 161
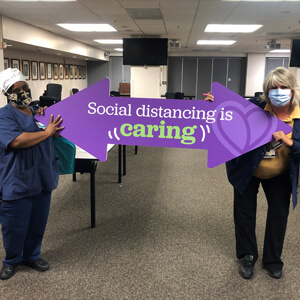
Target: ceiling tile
139, 3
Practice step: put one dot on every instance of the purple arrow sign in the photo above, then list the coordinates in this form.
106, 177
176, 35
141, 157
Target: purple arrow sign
227, 127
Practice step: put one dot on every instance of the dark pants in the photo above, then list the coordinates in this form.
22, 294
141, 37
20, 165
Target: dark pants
23, 225
278, 193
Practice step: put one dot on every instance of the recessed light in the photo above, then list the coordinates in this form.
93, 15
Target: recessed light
119, 49
281, 51
231, 28
112, 42
87, 27
215, 42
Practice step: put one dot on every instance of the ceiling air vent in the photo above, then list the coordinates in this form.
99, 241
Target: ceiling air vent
174, 44
272, 45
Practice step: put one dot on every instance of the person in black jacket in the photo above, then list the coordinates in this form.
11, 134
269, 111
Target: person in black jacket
275, 166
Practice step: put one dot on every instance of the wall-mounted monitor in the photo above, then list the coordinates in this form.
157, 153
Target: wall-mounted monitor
295, 54
145, 51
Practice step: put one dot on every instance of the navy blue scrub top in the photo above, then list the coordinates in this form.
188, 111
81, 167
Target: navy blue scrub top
29, 171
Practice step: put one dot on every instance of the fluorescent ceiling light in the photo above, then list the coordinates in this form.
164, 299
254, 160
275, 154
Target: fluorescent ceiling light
87, 27
119, 49
281, 51
215, 42
262, 0
231, 28
112, 42
259, 0
38, 0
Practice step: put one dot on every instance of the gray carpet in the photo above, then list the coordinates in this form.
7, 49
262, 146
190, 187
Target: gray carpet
166, 234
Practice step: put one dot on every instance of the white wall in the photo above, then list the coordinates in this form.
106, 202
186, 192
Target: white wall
255, 73
145, 82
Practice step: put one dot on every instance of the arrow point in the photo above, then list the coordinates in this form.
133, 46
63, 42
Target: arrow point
99, 153
102, 156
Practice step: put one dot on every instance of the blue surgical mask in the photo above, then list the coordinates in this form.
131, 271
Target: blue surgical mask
279, 97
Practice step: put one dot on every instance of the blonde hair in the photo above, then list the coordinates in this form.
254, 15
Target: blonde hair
281, 77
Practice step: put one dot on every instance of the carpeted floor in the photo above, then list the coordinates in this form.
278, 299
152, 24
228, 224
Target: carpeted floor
166, 233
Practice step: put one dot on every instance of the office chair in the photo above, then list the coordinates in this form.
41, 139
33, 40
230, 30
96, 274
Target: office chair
114, 94
170, 95
179, 95
258, 94
74, 91
51, 95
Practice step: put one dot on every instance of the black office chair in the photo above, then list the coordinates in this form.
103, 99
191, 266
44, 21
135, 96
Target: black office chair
114, 94
179, 95
258, 94
170, 95
74, 91
51, 95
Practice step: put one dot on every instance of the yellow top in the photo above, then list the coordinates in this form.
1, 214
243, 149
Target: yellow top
271, 167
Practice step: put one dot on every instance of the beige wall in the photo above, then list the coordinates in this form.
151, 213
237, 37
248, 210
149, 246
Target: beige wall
27, 34
38, 86
10, 31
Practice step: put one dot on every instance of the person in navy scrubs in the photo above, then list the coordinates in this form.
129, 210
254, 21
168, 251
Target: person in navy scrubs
28, 174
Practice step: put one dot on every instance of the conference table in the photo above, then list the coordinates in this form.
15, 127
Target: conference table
87, 163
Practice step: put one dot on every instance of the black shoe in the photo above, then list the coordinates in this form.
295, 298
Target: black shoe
274, 273
8, 272
247, 266
39, 264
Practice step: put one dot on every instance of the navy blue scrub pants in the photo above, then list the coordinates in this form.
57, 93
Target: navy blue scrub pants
23, 225
278, 194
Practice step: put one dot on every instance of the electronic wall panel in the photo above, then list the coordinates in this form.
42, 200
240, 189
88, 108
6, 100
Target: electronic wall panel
236, 75
189, 76
116, 72
96, 71
174, 74
126, 74
286, 62
275, 62
220, 70
204, 77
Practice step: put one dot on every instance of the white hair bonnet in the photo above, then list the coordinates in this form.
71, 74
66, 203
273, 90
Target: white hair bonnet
8, 77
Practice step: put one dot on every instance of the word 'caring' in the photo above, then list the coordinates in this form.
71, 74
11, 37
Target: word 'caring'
163, 132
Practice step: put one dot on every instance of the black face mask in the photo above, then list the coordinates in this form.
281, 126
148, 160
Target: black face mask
21, 99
